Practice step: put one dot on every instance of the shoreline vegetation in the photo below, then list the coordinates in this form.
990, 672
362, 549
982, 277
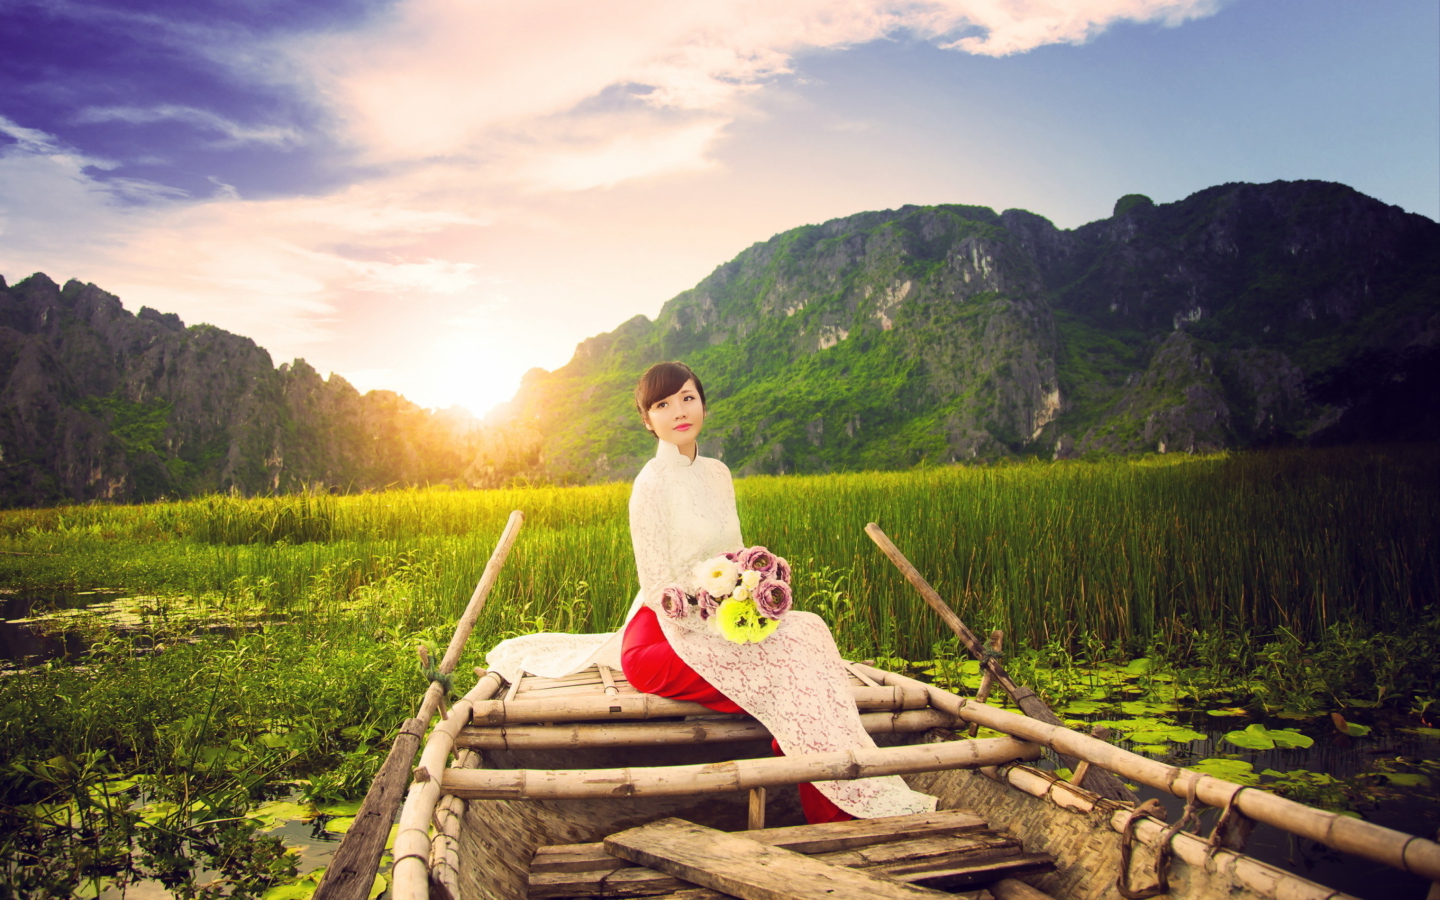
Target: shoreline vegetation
265, 651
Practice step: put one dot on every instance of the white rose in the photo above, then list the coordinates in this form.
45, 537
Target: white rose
751, 580
717, 577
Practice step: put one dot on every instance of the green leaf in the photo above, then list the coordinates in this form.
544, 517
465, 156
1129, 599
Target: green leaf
1423, 732
1258, 737
347, 808
339, 825
1355, 729
1082, 707
1289, 739
378, 887
1252, 738
1235, 770
1154, 749
1177, 734
1231, 711
1407, 779
1143, 708
276, 813
1142, 666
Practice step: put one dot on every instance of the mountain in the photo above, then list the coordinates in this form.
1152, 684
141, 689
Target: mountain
1244, 315
97, 403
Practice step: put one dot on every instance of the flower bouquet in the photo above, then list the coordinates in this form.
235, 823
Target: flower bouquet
742, 595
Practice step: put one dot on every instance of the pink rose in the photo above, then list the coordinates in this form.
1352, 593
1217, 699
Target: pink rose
672, 601
707, 604
757, 559
773, 598
782, 570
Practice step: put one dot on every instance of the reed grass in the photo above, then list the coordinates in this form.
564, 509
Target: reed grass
1113, 551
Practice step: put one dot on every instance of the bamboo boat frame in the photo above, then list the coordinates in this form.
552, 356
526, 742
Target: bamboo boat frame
594, 710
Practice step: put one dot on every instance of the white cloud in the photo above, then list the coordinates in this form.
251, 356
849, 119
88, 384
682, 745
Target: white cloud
232, 133
454, 78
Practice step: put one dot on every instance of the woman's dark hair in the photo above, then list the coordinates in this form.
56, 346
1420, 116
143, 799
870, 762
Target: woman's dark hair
661, 380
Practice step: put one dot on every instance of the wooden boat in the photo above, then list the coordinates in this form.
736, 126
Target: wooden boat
583, 787
547, 768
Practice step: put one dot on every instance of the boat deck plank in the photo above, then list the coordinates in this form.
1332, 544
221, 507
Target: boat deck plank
749, 869
949, 850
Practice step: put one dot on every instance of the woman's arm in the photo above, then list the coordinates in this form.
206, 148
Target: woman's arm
650, 538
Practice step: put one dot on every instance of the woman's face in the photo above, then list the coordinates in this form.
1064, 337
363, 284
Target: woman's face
678, 418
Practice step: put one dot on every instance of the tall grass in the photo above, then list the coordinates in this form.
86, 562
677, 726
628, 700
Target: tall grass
1109, 551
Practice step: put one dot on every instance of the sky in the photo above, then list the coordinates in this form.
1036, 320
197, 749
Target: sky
434, 196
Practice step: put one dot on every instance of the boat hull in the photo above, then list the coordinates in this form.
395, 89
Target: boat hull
499, 837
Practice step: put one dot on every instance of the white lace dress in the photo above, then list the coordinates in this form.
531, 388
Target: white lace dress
793, 682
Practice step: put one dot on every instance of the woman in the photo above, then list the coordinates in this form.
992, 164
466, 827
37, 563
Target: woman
682, 511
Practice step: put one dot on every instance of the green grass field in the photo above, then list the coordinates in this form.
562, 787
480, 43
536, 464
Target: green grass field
1111, 551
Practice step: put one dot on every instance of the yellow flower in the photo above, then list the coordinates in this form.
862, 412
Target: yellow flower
741, 623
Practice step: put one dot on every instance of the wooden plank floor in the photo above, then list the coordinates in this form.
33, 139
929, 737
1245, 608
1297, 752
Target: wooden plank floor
948, 850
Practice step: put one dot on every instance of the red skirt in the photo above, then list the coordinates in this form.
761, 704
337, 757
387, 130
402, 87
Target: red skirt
652, 667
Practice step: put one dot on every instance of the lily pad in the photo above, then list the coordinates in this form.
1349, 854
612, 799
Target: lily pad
348, 808
1407, 779
1142, 666
1230, 711
1144, 708
1153, 749
1082, 707
1176, 734
1423, 732
1258, 737
1353, 729
1236, 770
276, 813
340, 824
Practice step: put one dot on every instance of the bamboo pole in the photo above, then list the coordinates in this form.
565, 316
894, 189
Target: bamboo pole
592, 707
652, 734
730, 776
987, 678
352, 869
410, 878
445, 848
1373, 842
1101, 782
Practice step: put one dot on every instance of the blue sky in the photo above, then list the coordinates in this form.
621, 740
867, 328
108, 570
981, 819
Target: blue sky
432, 196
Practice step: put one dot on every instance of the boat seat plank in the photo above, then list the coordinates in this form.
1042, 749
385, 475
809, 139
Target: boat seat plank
749, 869
690, 731
957, 861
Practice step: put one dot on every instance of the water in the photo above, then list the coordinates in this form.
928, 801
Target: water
25, 644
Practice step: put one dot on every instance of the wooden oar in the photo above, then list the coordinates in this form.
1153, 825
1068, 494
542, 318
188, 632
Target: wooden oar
352, 868
1096, 779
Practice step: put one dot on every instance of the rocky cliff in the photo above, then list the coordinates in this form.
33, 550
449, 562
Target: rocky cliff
1243, 315
97, 403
